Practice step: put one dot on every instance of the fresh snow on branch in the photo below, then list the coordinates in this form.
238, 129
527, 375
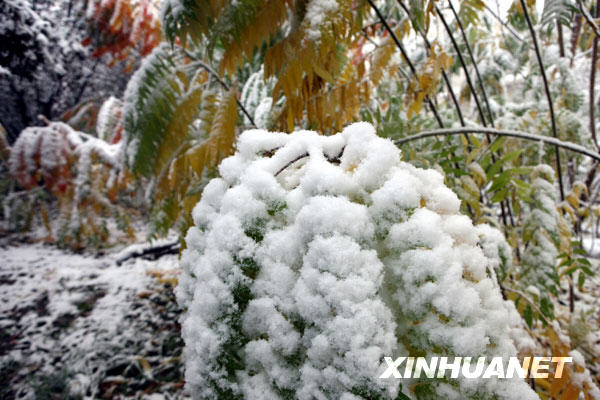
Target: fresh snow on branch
312, 258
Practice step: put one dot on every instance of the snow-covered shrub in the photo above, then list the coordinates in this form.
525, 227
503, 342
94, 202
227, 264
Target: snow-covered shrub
541, 233
84, 173
255, 98
496, 249
44, 155
314, 257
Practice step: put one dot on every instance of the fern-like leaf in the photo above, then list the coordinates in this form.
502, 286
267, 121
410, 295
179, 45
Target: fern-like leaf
557, 10
219, 142
161, 102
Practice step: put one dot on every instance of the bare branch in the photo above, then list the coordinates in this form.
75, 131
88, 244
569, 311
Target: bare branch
405, 55
444, 75
498, 132
548, 96
588, 18
593, 68
477, 74
463, 64
221, 82
504, 24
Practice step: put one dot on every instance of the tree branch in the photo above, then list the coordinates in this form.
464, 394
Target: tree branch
405, 55
504, 24
497, 132
150, 252
588, 18
444, 74
214, 73
477, 74
548, 96
463, 64
593, 68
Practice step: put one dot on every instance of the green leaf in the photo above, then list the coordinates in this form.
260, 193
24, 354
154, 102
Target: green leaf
580, 281
547, 308
528, 315
556, 10
587, 270
499, 195
496, 145
504, 160
571, 270
584, 261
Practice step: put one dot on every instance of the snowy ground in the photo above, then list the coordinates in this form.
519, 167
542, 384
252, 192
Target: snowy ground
74, 326
77, 326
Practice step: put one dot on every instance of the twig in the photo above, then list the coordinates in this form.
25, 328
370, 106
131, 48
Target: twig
444, 75
588, 18
152, 252
593, 68
527, 299
300, 157
221, 82
561, 40
504, 24
463, 64
548, 96
492, 131
575, 31
405, 55
503, 206
333, 160
477, 74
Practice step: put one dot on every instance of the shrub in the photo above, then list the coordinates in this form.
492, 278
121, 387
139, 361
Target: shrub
314, 257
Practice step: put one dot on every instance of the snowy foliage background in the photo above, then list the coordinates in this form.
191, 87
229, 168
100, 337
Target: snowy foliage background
306, 256
44, 68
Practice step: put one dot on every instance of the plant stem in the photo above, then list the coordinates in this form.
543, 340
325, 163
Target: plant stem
588, 18
464, 65
575, 30
444, 75
405, 55
498, 132
561, 41
504, 24
503, 206
593, 82
548, 96
477, 74
225, 86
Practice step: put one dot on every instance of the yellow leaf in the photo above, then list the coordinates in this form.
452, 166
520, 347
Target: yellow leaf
145, 364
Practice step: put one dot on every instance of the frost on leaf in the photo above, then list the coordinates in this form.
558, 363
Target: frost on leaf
314, 257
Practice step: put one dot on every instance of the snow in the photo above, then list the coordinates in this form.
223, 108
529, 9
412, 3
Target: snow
317, 13
582, 377
255, 98
138, 249
314, 257
496, 249
108, 118
47, 151
43, 150
539, 258
75, 317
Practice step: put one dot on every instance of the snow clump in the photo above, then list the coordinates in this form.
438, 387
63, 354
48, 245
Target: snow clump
314, 257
